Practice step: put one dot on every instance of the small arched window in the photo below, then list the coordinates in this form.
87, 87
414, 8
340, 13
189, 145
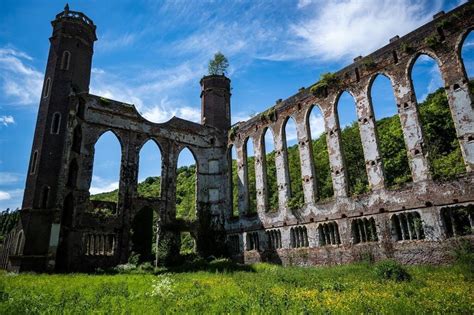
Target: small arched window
65, 60
47, 88
56, 123
34, 160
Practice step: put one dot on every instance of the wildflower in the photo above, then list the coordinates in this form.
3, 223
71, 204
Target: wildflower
163, 286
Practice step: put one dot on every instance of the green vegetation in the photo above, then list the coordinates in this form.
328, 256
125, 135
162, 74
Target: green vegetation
218, 65
8, 220
220, 287
326, 81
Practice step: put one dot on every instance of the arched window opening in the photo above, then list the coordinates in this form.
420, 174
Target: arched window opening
458, 221
65, 60
251, 181
272, 184
441, 143
320, 154
352, 145
329, 234
253, 242
45, 197
99, 244
34, 161
47, 88
273, 239
299, 237
364, 230
56, 123
235, 180
143, 234
77, 139
106, 173
186, 185
407, 226
467, 55
149, 170
390, 135
188, 244
294, 164
20, 242
72, 174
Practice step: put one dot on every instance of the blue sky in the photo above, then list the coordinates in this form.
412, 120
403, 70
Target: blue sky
153, 53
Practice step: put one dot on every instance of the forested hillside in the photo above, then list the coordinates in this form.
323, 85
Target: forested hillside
8, 219
441, 143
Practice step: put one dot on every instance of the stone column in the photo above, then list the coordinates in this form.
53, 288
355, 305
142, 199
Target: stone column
306, 158
373, 161
336, 161
461, 104
411, 127
260, 174
281, 162
243, 176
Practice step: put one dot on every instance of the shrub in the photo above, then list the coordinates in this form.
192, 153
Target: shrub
463, 252
391, 270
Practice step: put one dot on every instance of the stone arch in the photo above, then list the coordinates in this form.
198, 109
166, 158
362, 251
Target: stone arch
319, 146
459, 51
389, 131
351, 145
250, 180
105, 149
293, 163
186, 192
271, 189
440, 141
148, 159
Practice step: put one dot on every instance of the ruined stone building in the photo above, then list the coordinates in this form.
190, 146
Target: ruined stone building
412, 224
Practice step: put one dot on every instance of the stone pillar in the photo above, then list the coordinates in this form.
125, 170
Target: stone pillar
260, 174
243, 176
281, 162
336, 162
373, 161
461, 105
306, 158
411, 127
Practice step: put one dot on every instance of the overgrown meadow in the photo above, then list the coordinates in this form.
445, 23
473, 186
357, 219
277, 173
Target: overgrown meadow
222, 287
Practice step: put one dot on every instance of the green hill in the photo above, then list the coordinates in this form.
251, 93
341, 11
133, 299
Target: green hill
442, 146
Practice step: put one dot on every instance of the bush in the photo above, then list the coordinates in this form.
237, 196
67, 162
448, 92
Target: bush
463, 252
391, 270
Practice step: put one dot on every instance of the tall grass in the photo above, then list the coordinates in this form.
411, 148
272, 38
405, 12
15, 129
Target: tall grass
263, 288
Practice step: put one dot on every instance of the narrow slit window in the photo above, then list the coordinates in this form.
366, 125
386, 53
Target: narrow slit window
65, 60
34, 159
47, 88
56, 123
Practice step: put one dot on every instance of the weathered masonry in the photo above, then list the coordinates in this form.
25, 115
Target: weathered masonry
413, 224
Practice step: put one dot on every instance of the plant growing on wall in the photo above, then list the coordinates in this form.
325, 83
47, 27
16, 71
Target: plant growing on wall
218, 65
326, 81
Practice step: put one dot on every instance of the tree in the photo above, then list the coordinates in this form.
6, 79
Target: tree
218, 65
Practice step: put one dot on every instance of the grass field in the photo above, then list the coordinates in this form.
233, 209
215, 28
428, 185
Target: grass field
225, 288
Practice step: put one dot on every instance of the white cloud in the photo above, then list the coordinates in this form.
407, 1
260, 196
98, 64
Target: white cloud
7, 178
303, 3
316, 122
4, 195
349, 28
20, 82
100, 185
109, 42
6, 120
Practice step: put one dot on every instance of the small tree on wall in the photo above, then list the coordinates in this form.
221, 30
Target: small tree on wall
218, 65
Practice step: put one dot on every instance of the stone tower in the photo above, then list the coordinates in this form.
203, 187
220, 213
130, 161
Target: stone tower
67, 72
215, 101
